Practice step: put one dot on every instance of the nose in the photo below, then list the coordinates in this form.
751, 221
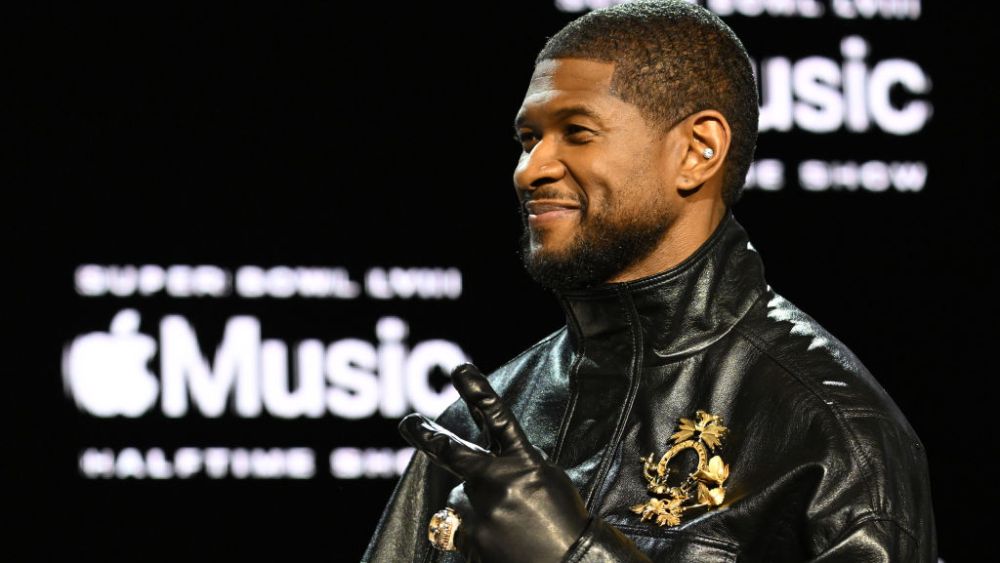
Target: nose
538, 167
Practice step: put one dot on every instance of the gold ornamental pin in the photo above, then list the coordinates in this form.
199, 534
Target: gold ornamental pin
703, 487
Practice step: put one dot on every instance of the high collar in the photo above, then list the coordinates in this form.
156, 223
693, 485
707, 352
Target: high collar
675, 312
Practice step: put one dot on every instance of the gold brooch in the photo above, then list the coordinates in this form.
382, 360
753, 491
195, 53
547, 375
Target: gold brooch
702, 487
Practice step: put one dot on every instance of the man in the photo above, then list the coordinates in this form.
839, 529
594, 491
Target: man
686, 412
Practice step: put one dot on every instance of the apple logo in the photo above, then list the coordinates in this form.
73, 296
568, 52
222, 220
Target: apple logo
106, 371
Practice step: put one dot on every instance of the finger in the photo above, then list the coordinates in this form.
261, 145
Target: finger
460, 457
498, 422
459, 502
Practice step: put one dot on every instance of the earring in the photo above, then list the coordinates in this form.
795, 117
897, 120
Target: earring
708, 153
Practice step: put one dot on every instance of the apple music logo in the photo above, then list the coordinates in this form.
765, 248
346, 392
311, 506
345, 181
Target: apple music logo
108, 373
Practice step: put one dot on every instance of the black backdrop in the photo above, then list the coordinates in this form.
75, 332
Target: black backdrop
376, 135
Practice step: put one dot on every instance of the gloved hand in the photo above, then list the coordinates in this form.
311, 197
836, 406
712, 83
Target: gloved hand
519, 506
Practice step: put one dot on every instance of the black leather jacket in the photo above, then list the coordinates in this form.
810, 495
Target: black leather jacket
823, 466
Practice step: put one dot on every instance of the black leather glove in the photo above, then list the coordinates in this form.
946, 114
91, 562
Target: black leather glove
520, 507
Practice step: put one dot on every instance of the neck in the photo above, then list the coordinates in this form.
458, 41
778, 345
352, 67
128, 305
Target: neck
673, 311
686, 234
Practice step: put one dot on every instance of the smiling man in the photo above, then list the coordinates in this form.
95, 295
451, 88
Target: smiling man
686, 412
591, 179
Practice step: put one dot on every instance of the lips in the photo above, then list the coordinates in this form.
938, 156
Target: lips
546, 212
546, 206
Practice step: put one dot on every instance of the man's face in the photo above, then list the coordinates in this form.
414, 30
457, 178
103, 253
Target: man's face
595, 180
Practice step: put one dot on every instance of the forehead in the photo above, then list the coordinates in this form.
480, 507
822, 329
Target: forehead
557, 82
571, 75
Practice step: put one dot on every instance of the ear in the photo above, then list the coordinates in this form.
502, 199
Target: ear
707, 136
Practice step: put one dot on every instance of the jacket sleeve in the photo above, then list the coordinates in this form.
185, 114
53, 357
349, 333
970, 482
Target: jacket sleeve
602, 542
876, 540
401, 534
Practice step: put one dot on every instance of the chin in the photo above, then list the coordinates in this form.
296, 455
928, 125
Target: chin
547, 252
550, 244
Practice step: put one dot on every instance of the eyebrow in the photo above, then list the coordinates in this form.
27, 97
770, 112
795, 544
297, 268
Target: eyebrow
563, 113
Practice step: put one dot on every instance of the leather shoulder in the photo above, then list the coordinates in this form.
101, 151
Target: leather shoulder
826, 401
815, 363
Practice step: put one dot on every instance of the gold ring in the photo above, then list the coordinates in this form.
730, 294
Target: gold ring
441, 530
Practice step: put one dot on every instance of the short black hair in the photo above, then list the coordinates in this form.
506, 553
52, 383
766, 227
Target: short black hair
672, 59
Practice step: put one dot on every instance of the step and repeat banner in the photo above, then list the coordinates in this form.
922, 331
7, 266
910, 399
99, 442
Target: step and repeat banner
283, 227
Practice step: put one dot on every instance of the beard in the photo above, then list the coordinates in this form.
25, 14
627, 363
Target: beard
606, 245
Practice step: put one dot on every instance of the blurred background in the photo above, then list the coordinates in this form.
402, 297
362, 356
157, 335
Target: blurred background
247, 239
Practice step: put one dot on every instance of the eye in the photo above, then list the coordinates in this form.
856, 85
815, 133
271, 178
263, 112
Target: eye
527, 139
578, 134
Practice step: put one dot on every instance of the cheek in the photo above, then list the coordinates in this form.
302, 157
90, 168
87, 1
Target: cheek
641, 192
598, 179
620, 183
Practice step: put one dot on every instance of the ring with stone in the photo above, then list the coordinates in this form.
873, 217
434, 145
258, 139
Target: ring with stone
441, 530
